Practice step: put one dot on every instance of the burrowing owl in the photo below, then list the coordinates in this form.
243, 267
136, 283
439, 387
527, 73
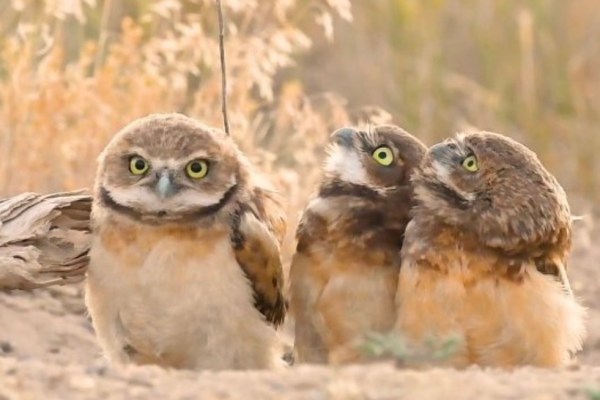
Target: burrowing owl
345, 271
484, 256
185, 267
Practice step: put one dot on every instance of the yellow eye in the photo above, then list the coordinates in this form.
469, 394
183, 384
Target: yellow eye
138, 166
470, 164
383, 155
197, 169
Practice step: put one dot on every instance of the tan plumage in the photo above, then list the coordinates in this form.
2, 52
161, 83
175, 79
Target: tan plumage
344, 273
185, 272
484, 256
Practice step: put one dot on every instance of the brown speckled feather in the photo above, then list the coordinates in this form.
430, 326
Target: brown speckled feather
257, 230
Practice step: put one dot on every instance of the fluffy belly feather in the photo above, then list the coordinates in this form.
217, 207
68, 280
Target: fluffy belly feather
185, 303
501, 322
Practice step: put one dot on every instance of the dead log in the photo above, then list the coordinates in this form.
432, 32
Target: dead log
44, 239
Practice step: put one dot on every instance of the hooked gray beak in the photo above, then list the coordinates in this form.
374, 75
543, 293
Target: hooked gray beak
164, 186
344, 137
447, 153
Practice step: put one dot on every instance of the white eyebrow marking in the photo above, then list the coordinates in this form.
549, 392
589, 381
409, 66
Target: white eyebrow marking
443, 174
347, 165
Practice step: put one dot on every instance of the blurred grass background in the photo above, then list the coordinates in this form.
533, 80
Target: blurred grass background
73, 72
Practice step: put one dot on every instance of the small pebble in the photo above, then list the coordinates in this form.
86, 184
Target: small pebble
6, 347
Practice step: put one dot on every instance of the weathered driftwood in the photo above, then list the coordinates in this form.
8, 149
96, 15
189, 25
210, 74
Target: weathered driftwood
44, 239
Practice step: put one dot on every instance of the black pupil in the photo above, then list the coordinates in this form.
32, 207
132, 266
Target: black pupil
382, 154
140, 164
196, 167
470, 163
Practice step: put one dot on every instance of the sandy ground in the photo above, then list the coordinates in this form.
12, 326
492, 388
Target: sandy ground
47, 351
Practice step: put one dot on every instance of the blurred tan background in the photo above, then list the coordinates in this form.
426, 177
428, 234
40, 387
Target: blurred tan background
73, 72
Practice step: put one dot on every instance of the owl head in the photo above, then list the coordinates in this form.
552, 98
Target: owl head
381, 157
493, 187
169, 167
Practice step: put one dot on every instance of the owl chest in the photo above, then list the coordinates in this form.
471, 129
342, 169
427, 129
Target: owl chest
173, 289
502, 321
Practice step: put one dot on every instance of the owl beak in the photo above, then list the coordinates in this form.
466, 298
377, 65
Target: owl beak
164, 186
344, 137
447, 153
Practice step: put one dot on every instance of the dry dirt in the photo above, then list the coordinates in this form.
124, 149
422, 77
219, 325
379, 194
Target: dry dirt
47, 351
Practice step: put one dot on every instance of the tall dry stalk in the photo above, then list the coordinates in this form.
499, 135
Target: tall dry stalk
223, 67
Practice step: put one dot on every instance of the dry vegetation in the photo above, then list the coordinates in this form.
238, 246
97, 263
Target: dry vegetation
73, 72
529, 69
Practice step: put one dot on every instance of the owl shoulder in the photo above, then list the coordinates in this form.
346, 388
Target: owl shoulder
257, 228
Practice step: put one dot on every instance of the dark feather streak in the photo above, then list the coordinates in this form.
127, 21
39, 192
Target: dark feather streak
158, 217
338, 188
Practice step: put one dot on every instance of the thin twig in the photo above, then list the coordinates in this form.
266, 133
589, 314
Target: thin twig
223, 68
104, 34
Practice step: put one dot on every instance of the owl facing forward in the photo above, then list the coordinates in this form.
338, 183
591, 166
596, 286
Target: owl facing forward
185, 269
484, 256
345, 271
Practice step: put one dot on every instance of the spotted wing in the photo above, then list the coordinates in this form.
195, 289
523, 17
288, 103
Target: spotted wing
257, 251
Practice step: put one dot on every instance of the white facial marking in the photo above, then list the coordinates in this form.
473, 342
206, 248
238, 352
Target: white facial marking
146, 199
346, 165
460, 138
443, 174
441, 171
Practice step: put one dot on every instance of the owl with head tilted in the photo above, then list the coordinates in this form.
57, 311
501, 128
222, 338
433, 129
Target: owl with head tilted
484, 256
185, 270
344, 273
